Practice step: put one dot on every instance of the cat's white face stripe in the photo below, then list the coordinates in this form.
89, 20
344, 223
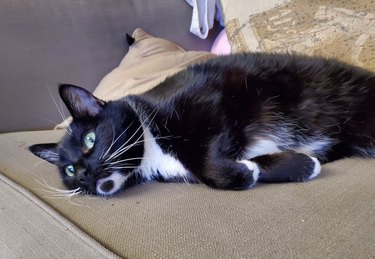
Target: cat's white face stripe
110, 184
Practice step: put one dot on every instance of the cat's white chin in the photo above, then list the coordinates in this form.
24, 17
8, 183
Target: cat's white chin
111, 184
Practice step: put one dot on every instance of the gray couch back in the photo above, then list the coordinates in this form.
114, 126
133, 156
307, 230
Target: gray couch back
44, 43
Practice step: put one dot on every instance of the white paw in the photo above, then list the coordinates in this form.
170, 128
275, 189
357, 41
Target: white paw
317, 168
252, 167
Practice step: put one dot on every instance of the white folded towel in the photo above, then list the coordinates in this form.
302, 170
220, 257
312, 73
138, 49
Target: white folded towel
204, 13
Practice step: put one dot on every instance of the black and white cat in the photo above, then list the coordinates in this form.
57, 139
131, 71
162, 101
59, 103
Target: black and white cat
228, 123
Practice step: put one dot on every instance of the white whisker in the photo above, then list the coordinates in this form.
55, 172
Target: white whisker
104, 153
125, 160
119, 168
114, 140
55, 193
114, 154
56, 190
61, 112
126, 148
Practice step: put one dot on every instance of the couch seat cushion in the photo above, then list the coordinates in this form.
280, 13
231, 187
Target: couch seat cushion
332, 216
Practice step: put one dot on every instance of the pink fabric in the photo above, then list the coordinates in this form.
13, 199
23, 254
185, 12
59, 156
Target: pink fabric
221, 44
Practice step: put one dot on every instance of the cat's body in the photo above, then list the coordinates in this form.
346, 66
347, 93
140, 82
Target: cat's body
228, 123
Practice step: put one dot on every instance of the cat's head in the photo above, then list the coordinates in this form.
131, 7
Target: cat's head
102, 147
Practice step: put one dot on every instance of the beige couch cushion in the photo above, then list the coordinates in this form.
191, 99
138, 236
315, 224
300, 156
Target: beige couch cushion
31, 229
340, 29
330, 217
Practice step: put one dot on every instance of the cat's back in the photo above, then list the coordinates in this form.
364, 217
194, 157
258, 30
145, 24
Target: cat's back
269, 73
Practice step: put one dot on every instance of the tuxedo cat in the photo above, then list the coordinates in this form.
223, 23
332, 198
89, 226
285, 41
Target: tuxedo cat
228, 123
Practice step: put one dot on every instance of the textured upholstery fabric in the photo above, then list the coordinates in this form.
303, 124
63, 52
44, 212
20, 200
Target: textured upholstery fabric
31, 229
340, 29
332, 216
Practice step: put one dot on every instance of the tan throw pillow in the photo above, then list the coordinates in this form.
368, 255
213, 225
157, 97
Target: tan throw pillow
340, 29
148, 62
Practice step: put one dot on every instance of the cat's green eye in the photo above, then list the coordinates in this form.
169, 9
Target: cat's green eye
89, 140
69, 170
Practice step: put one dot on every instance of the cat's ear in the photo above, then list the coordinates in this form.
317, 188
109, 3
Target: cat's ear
80, 102
47, 152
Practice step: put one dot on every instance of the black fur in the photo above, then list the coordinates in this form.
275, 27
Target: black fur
129, 39
286, 166
217, 119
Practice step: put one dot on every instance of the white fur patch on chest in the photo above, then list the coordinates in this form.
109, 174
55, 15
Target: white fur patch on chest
261, 146
156, 162
316, 145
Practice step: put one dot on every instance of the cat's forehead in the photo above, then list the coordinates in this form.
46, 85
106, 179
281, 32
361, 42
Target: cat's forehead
69, 148
73, 136
80, 126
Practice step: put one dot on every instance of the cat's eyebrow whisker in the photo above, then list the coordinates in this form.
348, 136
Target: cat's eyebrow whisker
68, 128
61, 112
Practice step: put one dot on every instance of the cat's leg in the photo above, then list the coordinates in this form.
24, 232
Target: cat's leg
363, 143
222, 171
287, 166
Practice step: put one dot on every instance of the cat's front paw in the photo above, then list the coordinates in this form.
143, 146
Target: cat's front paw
287, 166
303, 168
316, 168
253, 167
231, 174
